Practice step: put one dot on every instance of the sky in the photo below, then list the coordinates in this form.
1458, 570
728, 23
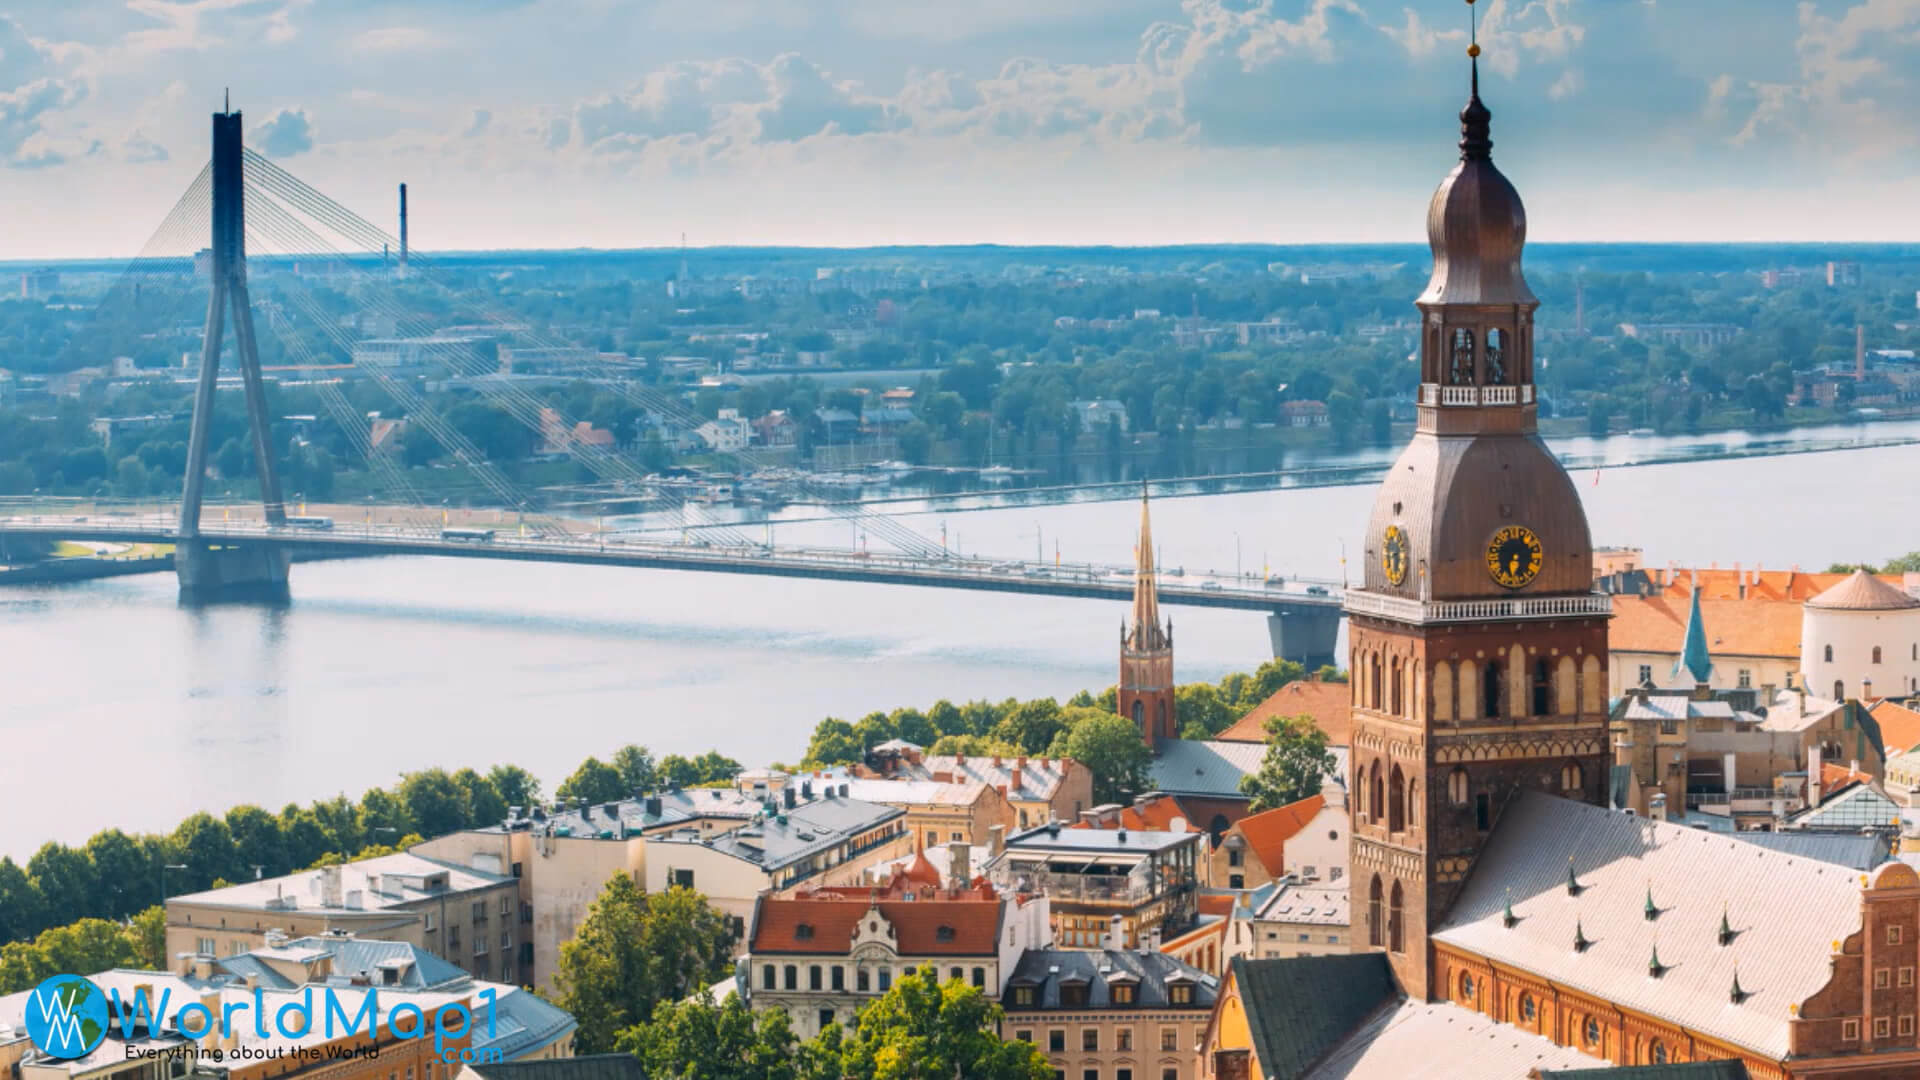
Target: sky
627, 123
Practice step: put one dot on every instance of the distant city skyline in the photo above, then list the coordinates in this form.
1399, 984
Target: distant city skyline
595, 123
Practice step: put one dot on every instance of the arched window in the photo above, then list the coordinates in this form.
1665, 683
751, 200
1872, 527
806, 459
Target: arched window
1375, 928
1457, 786
1378, 796
1570, 778
1592, 1032
1139, 713
1839, 690
1399, 708
1466, 987
1397, 802
1527, 1008
1490, 683
1160, 719
1876, 654
1496, 354
792, 977
1460, 358
1542, 687
1395, 933
1829, 654
1373, 672
1658, 1055
1413, 802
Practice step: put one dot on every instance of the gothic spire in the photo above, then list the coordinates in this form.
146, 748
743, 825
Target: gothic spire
1147, 632
1694, 658
1476, 120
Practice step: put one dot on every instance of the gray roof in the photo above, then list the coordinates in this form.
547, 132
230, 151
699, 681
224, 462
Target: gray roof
1099, 841
785, 837
1412, 1040
638, 815
1316, 904
1152, 972
1695, 876
1038, 780
522, 1024
363, 956
1856, 808
386, 881
1203, 766
586, 1067
1301, 1007
1850, 850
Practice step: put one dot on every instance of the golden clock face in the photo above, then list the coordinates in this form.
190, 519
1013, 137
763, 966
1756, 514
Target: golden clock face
1514, 556
1393, 554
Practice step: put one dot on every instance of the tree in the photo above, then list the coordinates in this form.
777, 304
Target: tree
1296, 764
148, 932
515, 784
435, 804
63, 876
1202, 704
914, 726
1030, 726
124, 877
258, 846
206, 847
633, 951
833, 743
22, 908
482, 801
1111, 748
1272, 675
636, 767
697, 1038
595, 781
920, 1030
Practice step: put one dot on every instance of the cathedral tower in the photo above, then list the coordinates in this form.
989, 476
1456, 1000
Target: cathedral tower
1146, 650
1478, 646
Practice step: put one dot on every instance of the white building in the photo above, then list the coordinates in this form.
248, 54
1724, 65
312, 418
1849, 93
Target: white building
726, 433
1861, 639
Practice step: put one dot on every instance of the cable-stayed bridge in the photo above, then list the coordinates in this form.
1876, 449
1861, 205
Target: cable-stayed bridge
251, 241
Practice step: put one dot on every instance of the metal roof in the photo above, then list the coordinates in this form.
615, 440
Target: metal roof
379, 883
1414, 1040
1299, 1008
1150, 972
791, 835
1104, 841
1203, 766
1693, 877
1293, 903
1858, 807
1852, 851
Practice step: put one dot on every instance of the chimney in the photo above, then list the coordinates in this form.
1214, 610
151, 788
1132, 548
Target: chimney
210, 1038
330, 886
786, 796
959, 760
1116, 933
996, 840
1019, 771
1657, 806
1740, 576
403, 230
1153, 940
960, 863
1813, 777
653, 806
1730, 761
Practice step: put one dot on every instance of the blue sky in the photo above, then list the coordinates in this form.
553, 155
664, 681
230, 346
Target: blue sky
616, 123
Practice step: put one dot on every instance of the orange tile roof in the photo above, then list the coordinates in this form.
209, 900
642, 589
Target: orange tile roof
972, 924
1899, 725
1155, 815
1330, 704
1757, 626
1216, 903
1268, 831
1837, 778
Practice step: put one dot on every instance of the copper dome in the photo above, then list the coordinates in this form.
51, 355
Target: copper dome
1476, 223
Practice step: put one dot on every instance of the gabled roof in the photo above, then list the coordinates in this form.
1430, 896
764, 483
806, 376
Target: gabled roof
1157, 812
1099, 969
1039, 777
1899, 725
1330, 704
1299, 1008
1760, 625
1449, 1042
1268, 831
1206, 767
929, 925
1862, 591
1694, 878
1855, 808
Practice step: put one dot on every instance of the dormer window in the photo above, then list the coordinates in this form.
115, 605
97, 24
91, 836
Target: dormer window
1180, 993
803, 932
1123, 993
1023, 995
944, 933
1073, 993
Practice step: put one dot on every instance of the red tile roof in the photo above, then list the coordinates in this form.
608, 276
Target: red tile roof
1268, 831
1330, 704
1760, 625
1155, 815
1899, 725
932, 925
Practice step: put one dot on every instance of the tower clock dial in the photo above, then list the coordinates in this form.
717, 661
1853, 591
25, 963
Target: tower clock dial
1514, 556
1393, 554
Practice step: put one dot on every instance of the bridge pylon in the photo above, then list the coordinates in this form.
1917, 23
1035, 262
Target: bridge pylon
225, 571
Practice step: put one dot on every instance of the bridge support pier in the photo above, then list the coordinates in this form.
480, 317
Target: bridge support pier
1305, 635
211, 574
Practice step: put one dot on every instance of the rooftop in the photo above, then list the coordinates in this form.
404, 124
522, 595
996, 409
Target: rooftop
380, 883
645, 813
1039, 777
1047, 838
1330, 704
1694, 878
1862, 591
1450, 1042
1208, 767
921, 922
1303, 1007
1268, 831
1311, 904
778, 839
916, 792
1099, 970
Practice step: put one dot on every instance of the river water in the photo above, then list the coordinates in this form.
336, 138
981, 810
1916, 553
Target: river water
119, 708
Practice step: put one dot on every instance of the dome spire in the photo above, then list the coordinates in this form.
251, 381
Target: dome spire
1476, 120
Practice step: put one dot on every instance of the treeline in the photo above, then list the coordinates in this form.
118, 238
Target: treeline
1905, 564
115, 875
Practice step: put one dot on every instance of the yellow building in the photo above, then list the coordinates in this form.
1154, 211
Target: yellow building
1110, 1014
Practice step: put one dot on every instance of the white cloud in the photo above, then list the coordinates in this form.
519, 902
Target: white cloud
285, 134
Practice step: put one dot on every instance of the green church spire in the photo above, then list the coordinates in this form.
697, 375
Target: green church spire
1694, 659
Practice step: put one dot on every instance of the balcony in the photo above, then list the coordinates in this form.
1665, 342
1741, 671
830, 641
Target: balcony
1467, 396
1425, 612
1121, 890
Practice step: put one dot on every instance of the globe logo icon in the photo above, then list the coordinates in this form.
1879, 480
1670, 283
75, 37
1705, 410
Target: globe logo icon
67, 1017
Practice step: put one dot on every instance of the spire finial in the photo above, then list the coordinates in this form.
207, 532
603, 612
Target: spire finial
1738, 994
1652, 912
1580, 941
1508, 918
226, 99
1573, 881
1726, 928
1476, 121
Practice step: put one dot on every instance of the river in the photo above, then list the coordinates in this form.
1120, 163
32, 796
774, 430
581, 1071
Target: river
120, 708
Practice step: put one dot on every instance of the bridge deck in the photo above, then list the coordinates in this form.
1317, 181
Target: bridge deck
954, 572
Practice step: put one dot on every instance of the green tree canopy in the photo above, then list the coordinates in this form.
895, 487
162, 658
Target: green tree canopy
833, 743
1110, 747
1296, 764
633, 951
595, 781
920, 1030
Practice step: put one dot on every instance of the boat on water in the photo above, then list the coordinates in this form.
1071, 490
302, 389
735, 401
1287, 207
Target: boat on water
997, 474
891, 468
1641, 432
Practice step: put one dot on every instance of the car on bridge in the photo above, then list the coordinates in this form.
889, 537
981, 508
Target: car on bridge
1277, 581
481, 536
1209, 586
1316, 590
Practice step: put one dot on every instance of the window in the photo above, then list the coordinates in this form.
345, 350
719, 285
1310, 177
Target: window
506, 941
1491, 686
1527, 1009
453, 937
1022, 995
1123, 1040
1396, 802
1542, 687
803, 932
516, 869
1829, 654
1073, 993
1123, 1074
1592, 1032
1089, 1039
1123, 993
506, 905
1906, 976
206, 946
1876, 654
479, 911
1882, 978
1570, 777
1659, 1053
1023, 1035
813, 977
1306, 937
1169, 1039
956, 837
1880, 1027
1483, 812
1496, 355
956, 974
1089, 1074
793, 977
1395, 922
1466, 986
980, 977
933, 838
1236, 857
1460, 358
430, 925
1057, 1040
1746, 678
1850, 1030
839, 978
1646, 675
1457, 787
1180, 994
1906, 1025
1893, 935
1171, 1072
886, 979
1236, 881
943, 933
683, 878
1376, 926
826, 1019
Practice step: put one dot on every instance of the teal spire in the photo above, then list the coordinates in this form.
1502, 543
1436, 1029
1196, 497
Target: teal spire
1654, 967
1694, 659
1508, 918
1738, 994
1580, 941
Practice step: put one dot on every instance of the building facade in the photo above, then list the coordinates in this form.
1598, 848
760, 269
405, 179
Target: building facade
1110, 1014
1147, 881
